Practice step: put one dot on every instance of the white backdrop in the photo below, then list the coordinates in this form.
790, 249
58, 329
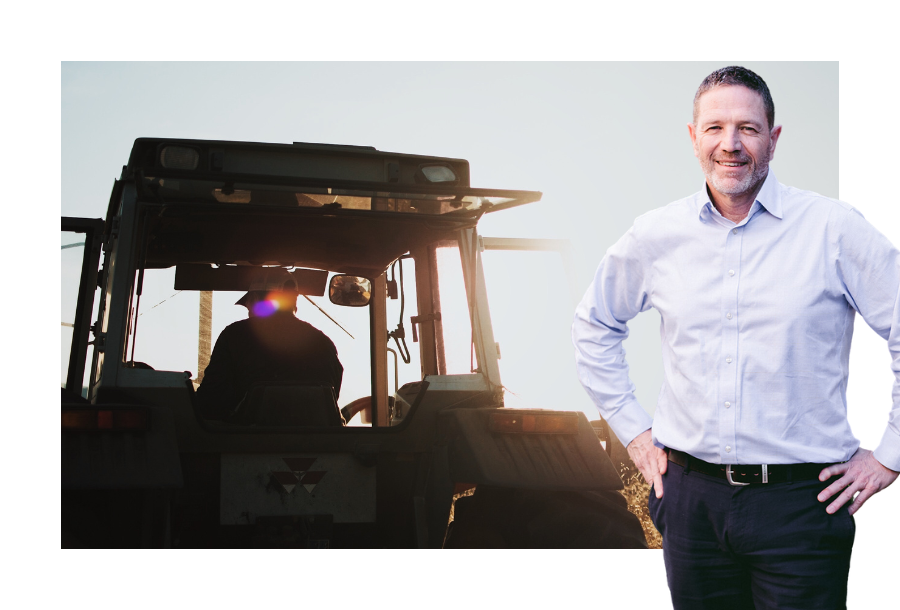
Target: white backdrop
765, 30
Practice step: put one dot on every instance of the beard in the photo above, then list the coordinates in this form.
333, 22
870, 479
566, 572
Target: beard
731, 186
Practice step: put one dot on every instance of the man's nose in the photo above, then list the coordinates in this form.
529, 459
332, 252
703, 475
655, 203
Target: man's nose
731, 140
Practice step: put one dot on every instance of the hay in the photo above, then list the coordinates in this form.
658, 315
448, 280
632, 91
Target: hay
636, 492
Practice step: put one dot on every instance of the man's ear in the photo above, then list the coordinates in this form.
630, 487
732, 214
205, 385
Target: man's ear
773, 140
693, 133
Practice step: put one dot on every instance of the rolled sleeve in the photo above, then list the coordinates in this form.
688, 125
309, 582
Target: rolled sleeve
616, 295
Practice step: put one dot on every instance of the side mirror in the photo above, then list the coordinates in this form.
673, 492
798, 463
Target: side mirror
350, 291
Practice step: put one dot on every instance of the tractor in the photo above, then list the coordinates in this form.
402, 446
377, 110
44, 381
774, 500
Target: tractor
369, 237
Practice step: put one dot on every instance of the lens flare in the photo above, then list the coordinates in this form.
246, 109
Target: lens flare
265, 308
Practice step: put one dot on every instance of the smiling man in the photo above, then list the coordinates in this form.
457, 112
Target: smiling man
753, 464
734, 141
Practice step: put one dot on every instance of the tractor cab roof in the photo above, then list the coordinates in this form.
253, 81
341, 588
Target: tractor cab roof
334, 207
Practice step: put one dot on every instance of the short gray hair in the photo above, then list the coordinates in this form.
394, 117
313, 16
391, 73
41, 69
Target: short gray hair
737, 75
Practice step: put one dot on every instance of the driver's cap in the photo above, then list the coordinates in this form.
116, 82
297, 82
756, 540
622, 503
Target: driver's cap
270, 279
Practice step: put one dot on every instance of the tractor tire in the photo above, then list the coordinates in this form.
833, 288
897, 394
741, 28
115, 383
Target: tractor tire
495, 517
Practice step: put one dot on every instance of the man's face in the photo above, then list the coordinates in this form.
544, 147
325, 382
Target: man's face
732, 140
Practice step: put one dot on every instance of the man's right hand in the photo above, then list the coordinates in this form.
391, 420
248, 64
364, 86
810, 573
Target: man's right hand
649, 459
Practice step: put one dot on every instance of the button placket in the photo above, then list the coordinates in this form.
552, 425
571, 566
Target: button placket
728, 368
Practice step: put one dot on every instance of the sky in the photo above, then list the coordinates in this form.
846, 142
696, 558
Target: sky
583, 153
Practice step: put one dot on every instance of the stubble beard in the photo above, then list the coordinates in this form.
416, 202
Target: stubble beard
727, 186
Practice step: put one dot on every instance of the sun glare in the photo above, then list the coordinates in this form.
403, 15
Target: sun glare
265, 308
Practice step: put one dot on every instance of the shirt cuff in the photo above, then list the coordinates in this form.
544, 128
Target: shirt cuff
629, 421
888, 451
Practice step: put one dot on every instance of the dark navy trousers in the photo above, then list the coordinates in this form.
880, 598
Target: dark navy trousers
754, 547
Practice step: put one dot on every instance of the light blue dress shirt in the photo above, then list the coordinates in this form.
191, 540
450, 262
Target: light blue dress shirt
756, 322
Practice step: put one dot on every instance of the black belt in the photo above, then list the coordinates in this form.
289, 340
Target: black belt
745, 474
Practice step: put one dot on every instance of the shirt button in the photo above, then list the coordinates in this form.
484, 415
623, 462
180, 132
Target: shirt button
728, 360
727, 405
728, 315
734, 231
727, 448
731, 272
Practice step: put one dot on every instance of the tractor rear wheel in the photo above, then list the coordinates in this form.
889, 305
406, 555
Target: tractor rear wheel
495, 517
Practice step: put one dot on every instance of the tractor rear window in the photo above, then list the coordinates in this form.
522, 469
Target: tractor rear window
455, 321
176, 330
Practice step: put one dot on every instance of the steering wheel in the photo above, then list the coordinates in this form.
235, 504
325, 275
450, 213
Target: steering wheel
363, 404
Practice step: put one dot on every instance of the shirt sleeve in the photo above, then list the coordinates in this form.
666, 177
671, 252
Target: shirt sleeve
215, 395
868, 267
618, 293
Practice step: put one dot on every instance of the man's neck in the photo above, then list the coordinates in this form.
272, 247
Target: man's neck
733, 207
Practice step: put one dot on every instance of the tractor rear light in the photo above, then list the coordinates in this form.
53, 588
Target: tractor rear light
179, 157
105, 420
521, 422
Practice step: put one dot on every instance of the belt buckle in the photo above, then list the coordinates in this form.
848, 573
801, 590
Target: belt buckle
728, 473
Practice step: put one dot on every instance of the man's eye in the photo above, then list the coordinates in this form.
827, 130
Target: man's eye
748, 128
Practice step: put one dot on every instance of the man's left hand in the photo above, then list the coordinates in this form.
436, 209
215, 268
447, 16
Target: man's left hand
862, 473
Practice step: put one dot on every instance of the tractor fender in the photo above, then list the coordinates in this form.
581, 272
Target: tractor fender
565, 457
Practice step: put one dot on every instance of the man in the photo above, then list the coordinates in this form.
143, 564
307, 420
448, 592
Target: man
752, 461
271, 345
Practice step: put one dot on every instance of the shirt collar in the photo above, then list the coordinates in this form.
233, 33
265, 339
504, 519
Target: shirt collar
769, 197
